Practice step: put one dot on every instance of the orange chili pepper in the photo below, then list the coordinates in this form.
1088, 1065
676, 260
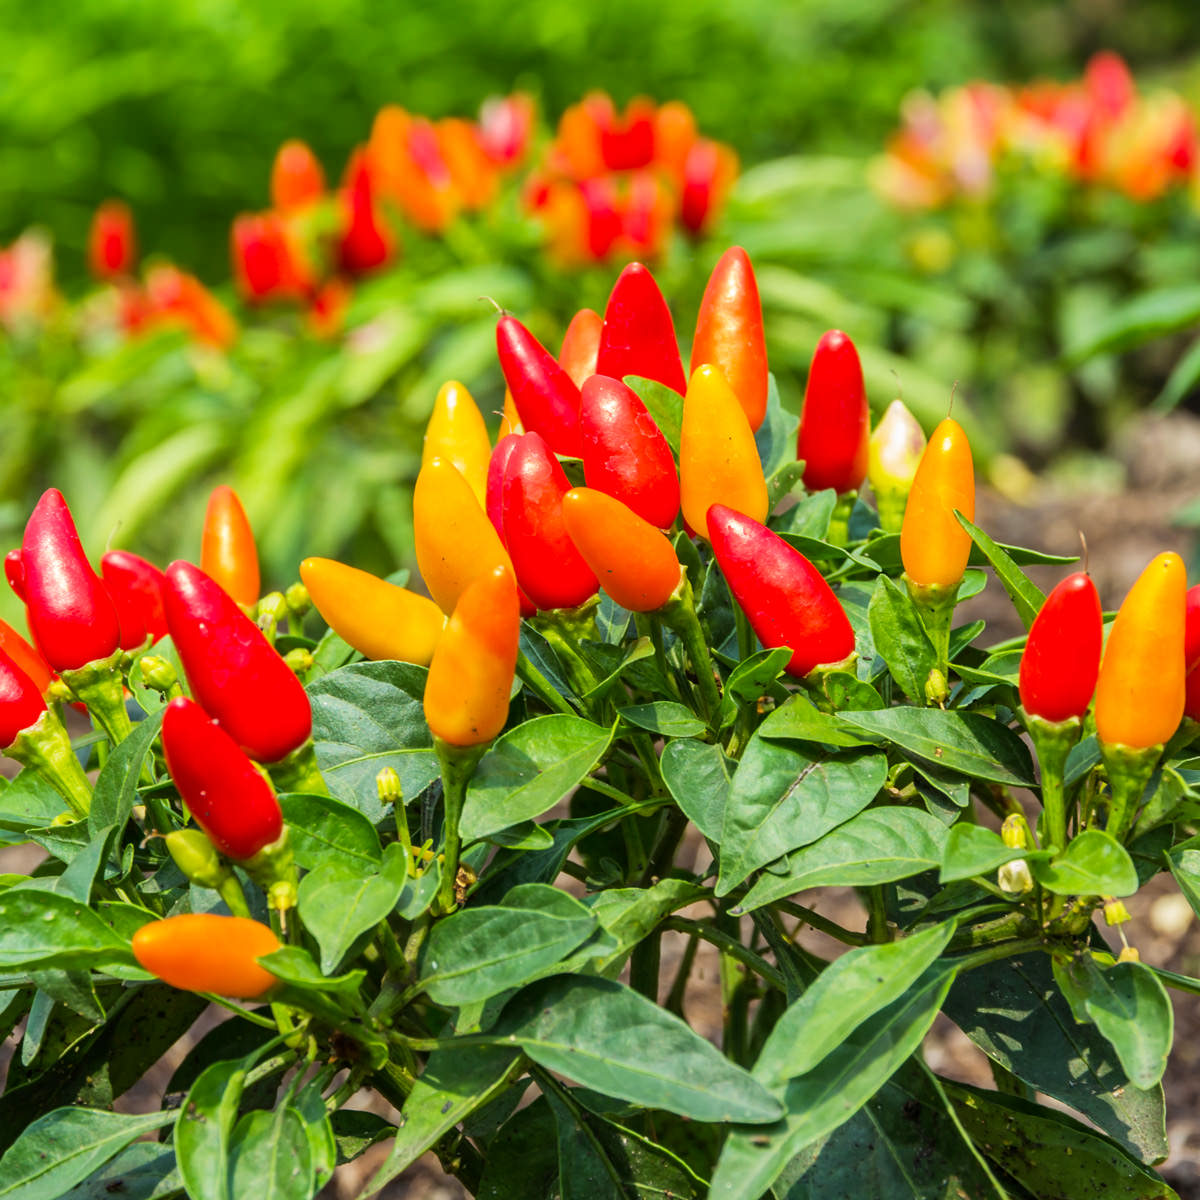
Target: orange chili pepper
634, 561
25, 657
377, 618
205, 952
581, 345
456, 432
470, 677
227, 550
718, 460
933, 545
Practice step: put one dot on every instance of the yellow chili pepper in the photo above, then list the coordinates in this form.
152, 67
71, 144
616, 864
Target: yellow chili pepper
456, 432
377, 618
510, 420
718, 460
470, 677
933, 545
1140, 692
454, 540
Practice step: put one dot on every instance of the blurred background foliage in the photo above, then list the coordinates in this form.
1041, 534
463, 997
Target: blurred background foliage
179, 109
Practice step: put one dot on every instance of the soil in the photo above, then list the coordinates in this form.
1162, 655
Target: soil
1124, 529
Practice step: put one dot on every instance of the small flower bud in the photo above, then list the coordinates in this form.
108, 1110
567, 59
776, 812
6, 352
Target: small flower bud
1129, 954
1115, 912
1014, 878
272, 609
299, 659
297, 600
158, 673
387, 782
894, 451
937, 690
197, 857
1014, 832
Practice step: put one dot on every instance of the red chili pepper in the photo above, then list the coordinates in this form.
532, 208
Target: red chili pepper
547, 399
549, 569
228, 795
14, 572
495, 500
835, 424
21, 703
235, 673
263, 262
227, 550
136, 588
112, 246
625, 453
785, 597
581, 344
1062, 655
729, 332
71, 614
296, 176
25, 656
1191, 653
708, 173
638, 337
366, 242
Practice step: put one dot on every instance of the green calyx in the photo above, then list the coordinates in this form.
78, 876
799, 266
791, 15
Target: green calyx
1053, 741
274, 869
45, 747
197, 858
99, 686
298, 772
1129, 769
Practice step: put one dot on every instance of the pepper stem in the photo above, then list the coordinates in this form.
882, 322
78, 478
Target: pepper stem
1129, 769
679, 615
45, 747
838, 533
935, 603
99, 686
458, 765
1053, 741
298, 772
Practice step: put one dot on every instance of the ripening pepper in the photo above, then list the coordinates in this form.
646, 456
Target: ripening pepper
227, 550
785, 597
1191, 654
638, 336
71, 615
453, 539
510, 419
580, 345
1140, 692
718, 459
709, 172
230, 798
235, 673
1062, 655
206, 952
21, 701
550, 571
625, 453
933, 545
377, 618
729, 332
14, 572
136, 588
634, 561
366, 241
546, 397
297, 179
471, 675
25, 657
893, 453
112, 244
456, 432
835, 423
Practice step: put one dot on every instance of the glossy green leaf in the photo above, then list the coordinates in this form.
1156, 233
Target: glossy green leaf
529, 770
800, 720
270, 1157
324, 830
877, 846
355, 1130
665, 718
630, 914
808, 518
612, 1039
1184, 862
698, 775
40, 929
27, 803
968, 742
664, 404
782, 799
205, 1129
775, 438
295, 966
900, 638
885, 552
309, 1107
1026, 596
1093, 864
750, 678
974, 850
143, 1171
115, 791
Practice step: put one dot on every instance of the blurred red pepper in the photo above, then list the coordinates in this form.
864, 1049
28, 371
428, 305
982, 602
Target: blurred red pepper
112, 244
227, 550
835, 423
234, 672
505, 125
366, 242
638, 337
546, 398
1062, 655
297, 179
708, 174
136, 588
263, 264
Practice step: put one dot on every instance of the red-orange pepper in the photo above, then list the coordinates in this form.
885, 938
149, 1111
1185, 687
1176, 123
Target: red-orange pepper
227, 550
205, 952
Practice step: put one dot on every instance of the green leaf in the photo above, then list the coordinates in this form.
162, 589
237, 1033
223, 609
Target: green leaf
116, 785
967, 742
818, 1102
800, 720
1142, 319
776, 436
610, 1038
40, 929
355, 1130
630, 914
900, 638
324, 830
851, 989
782, 480
1015, 1013
456, 1081
665, 718
65, 1146
205, 1128
974, 850
529, 770
309, 1106
664, 404
270, 1158
782, 799
698, 775
368, 716
807, 519
143, 1171
1130, 1007
28, 802
481, 952
1052, 1154
338, 903
1026, 596
750, 678
884, 551
295, 966
1093, 864
877, 846
1184, 861
1184, 377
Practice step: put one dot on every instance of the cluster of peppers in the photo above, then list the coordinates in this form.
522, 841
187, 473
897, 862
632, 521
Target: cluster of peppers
504, 534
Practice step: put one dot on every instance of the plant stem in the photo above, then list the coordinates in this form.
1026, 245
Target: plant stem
541, 687
729, 946
458, 765
877, 924
809, 917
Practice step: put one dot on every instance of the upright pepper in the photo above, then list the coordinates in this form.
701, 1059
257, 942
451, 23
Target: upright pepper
366, 241
785, 597
934, 547
729, 332
377, 618
456, 432
718, 459
234, 672
25, 657
227, 550
1192, 654
21, 701
454, 541
893, 455
638, 337
71, 614
205, 952
550, 571
635, 563
835, 424
112, 244
580, 346
136, 588
297, 178
546, 397
625, 453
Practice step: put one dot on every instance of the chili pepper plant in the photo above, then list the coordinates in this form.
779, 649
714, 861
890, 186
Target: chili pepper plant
673, 687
